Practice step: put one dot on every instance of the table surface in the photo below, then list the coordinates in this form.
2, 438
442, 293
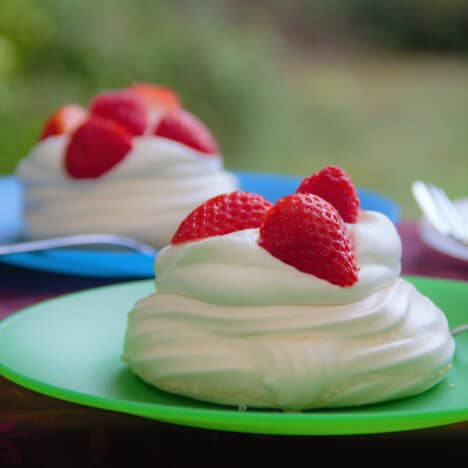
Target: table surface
36, 430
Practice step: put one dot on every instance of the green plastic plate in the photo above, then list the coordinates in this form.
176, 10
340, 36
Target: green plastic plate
70, 347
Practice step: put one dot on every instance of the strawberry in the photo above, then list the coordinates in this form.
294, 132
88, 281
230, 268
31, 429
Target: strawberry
63, 120
223, 214
96, 147
334, 185
306, 232
122, 107
182, 126
156, 97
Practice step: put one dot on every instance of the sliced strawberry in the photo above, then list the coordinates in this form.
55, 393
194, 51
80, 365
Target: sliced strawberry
334, 185
64, 120
95, 148
307, 232
122, 107
182, 126
156, 97
223, 214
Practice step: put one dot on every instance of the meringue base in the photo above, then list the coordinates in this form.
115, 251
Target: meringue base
392, 344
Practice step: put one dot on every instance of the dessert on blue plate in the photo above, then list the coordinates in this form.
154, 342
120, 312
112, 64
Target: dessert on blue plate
133, 163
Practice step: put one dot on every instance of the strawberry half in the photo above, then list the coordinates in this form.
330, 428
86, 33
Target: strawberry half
122, 107
63, 120
95, 148
182, 126
334, 185
223, 214
156, 97
308, 233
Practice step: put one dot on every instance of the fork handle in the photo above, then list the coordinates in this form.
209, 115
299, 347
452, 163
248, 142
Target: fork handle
76, 240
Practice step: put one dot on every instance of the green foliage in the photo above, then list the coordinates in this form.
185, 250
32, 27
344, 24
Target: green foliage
272, 105
216, 67
411, 25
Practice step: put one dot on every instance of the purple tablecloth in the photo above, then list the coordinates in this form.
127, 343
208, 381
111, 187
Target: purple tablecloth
39, 431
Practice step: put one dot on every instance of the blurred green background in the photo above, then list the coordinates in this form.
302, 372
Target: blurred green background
378, 87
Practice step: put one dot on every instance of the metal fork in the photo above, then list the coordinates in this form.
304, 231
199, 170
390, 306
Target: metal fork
440, 211
75, 241
444, 217
460, 329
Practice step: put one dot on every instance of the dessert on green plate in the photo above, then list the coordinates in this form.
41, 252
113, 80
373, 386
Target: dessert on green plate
296, 305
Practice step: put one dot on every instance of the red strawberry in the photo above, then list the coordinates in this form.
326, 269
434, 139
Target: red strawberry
182, 126
223, 214
307, 232
122, 107
156, 97
96, 147
334, 185
63, 120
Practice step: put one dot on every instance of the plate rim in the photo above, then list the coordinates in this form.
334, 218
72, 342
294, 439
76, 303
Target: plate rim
323, 421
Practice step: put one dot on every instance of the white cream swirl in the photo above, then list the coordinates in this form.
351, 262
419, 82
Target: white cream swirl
241, 329
145, 196
233, 270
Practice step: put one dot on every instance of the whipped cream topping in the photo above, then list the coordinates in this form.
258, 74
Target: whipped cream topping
145, 196
232, 324
233, 270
